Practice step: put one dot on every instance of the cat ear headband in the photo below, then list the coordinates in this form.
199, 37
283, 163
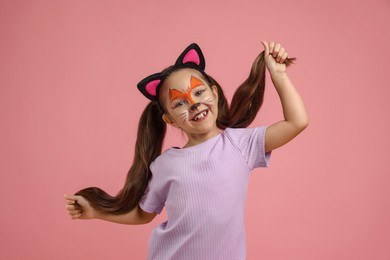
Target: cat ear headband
191, 57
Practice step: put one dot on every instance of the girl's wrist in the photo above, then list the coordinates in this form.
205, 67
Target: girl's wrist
97, 214
279, 75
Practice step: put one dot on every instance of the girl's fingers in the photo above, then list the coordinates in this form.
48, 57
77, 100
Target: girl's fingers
266, 47
72, 197
284, 57
271, 47
276, 50
280, 54
70, 207
70, 202
76, 216
74, 212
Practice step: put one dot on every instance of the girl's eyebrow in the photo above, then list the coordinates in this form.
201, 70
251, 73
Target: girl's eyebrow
175, 93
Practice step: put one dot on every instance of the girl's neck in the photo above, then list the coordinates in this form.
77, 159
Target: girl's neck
195, 139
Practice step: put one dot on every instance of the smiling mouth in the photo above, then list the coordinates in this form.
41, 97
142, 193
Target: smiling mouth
200, 115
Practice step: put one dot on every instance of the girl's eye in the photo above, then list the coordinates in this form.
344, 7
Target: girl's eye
179, 104
198, 93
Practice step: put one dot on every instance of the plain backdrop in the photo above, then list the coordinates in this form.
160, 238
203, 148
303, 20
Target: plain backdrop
69, 110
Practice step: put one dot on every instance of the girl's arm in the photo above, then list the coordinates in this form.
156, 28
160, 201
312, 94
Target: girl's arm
295, 116
79, 208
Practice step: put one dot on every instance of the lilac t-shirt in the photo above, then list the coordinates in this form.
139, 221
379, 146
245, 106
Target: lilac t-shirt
203, 189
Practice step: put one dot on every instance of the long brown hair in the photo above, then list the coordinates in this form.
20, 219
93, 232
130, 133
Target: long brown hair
245, 104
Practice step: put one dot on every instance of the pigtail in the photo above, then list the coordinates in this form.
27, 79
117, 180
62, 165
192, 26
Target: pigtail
248, 98
150, 137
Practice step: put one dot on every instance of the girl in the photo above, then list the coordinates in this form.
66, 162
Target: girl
202, 185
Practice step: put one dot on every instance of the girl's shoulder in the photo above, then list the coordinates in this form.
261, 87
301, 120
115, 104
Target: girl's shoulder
242, 132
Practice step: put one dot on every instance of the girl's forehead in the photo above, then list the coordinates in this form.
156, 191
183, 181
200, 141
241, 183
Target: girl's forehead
184, 79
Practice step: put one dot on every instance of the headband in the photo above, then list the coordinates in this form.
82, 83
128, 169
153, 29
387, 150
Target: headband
191, 57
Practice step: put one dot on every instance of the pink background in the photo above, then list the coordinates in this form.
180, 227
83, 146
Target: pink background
69, 110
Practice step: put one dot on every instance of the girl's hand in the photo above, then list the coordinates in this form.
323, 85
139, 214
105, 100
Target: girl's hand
275, 56
79, 208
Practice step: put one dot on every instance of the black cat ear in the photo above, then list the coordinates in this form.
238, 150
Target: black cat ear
192, 55
150, 86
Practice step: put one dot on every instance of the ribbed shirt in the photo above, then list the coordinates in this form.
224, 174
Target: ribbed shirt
203, 189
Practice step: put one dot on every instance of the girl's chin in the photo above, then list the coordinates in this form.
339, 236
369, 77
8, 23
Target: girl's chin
204, 126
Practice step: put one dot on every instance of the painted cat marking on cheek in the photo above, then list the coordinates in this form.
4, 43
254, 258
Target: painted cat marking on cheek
184, 116
174, 93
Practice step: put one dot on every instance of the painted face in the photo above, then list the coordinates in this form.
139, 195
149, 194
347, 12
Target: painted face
190, 99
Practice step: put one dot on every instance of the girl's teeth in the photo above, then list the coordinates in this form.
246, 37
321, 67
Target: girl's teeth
200, 116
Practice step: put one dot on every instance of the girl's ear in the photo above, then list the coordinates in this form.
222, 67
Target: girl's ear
150, 86
215, 91
192, 55
168, 120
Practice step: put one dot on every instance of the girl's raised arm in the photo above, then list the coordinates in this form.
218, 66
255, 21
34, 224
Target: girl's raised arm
295, 116
79, 208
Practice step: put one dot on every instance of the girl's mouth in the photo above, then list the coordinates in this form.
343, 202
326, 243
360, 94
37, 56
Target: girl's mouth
200, 116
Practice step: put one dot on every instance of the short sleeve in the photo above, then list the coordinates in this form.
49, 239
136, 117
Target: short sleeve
150, 201
251, 143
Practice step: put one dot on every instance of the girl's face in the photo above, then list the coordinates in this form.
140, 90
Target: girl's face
190, 103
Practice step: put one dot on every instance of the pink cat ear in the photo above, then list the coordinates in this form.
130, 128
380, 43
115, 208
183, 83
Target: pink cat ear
149, 86
192, 56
